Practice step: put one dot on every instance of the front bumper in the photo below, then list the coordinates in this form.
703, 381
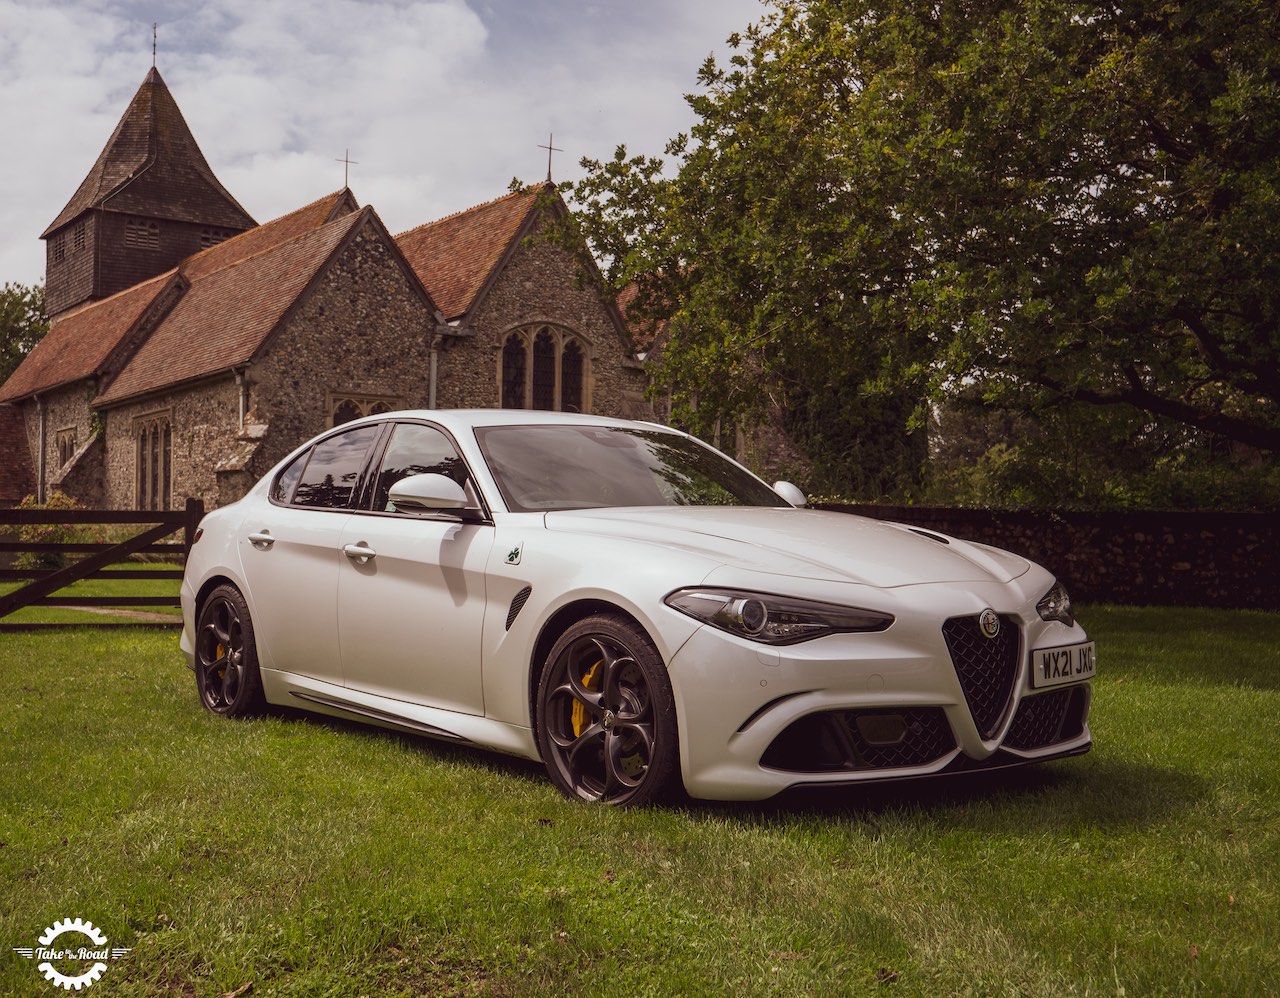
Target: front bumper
906, 702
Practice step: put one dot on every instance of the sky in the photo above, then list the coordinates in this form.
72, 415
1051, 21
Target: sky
439, 102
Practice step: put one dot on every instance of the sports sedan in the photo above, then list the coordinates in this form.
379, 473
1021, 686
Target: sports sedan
628, 605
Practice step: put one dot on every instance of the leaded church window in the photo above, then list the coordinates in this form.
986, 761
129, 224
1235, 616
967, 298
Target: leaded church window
65, 442
153, 461
344, 407
545, 367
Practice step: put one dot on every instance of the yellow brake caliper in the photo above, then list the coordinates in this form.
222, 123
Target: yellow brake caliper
579, 716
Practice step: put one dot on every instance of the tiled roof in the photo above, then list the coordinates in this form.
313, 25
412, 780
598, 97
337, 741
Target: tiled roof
226, 315
273, 233
78, 345
16, 480
152, 166
644, 331
455, 256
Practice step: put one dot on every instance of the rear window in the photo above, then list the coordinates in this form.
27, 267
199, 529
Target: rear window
332, 472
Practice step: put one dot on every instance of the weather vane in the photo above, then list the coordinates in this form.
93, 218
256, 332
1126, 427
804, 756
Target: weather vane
347, 163
550, 149
154, 30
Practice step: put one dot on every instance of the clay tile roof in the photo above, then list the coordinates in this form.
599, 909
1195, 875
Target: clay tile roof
644, 331
455, 256
264, 237
227, 315
16, 480
152, 165
78, 345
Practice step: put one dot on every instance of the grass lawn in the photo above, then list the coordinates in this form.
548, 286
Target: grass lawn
317, 858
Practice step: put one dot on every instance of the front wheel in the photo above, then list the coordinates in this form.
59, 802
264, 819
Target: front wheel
227, 676
606, 714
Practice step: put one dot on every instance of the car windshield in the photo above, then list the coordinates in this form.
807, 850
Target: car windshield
540, 468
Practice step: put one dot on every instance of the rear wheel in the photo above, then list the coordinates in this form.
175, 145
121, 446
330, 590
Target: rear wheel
606, 714
227, 676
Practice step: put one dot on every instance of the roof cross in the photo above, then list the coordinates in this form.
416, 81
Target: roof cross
347, 163
550, 147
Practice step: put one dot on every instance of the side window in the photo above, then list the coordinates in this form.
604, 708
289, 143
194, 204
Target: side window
334, 469
415, 449
287, 479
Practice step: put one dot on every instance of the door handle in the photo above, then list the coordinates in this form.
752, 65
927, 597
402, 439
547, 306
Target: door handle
359, 553
262, 540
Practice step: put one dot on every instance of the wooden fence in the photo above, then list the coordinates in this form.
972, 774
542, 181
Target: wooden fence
94, 561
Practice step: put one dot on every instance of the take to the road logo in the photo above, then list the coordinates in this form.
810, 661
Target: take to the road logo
73, 953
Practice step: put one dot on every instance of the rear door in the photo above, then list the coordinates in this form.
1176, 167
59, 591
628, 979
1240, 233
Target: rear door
292, 555
411, 590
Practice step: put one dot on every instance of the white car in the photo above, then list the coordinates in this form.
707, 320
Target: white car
628, 605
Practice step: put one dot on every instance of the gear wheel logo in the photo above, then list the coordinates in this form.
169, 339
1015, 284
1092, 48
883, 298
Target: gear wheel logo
59, 943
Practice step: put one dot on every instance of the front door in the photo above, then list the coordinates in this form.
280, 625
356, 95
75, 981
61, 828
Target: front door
411, 591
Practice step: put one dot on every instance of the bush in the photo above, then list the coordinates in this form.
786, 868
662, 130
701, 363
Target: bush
49, 533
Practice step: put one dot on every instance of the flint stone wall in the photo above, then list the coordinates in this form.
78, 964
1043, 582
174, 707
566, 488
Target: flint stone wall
1229, 560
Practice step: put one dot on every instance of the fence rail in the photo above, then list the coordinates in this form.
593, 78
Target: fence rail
96, 561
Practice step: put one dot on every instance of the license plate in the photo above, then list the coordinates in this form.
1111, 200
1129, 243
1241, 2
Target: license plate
1056, 666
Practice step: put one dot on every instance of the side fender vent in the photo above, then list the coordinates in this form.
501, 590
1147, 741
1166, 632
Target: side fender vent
517, 604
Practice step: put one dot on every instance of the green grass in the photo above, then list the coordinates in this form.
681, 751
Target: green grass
319, 858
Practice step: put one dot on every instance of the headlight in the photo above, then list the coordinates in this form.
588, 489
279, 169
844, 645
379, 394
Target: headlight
1056, 605
774, 620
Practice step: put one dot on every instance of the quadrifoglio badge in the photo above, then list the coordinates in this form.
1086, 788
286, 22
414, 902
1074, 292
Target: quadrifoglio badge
73, 953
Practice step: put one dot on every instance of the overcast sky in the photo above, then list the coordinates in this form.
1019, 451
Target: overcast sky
441, 102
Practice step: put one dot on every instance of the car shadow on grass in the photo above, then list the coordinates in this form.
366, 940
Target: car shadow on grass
1094, 792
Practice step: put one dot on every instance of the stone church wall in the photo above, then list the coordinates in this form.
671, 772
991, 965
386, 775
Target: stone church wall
539, 284
66, 409
363, 330
204, 421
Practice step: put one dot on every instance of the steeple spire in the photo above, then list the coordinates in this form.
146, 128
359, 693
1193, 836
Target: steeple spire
150, 190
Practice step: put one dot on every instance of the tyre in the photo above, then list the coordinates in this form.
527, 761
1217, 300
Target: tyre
227, 676
606, 715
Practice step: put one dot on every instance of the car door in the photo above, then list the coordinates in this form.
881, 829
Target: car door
411, 591
291, 552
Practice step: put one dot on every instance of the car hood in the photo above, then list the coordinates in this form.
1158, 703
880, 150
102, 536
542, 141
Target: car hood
803, 543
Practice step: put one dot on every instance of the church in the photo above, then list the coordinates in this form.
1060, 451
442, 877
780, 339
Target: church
191, 348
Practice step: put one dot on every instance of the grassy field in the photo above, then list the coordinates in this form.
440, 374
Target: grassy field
315, 858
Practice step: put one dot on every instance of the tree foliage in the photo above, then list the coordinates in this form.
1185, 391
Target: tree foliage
22, 324
1027, 205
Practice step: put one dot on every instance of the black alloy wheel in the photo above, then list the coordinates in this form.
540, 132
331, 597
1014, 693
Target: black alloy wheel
227, 676
606, 714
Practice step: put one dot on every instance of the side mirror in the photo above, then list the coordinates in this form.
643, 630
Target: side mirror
790, 493
427, 494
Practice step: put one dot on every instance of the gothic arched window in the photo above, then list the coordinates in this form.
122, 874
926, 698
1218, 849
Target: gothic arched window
513, 369
345, 407
545, 367
153, 461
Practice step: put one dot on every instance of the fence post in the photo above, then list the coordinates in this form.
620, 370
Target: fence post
192, 514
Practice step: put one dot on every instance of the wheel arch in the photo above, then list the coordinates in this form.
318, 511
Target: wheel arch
208, 586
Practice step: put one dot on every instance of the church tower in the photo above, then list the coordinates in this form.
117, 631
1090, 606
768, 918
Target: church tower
149, 202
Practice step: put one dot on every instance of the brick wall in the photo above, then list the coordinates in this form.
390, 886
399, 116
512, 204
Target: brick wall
1141, 558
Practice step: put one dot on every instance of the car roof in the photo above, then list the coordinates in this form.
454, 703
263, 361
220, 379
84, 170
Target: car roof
458, 419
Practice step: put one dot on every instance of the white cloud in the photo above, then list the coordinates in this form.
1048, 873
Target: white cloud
440, 103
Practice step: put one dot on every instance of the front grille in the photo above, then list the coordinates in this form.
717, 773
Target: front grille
1048, 718
834, 741
986, 668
